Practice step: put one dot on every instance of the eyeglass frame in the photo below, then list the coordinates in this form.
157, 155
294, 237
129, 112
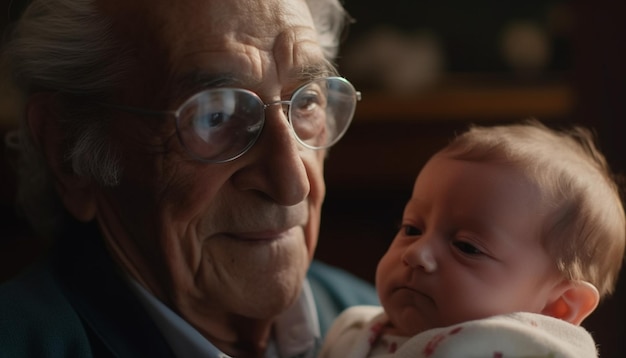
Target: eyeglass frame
176, 115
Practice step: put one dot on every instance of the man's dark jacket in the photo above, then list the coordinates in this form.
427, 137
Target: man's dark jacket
76, 304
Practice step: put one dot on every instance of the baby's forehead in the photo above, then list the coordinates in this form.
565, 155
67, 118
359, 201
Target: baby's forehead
481, 190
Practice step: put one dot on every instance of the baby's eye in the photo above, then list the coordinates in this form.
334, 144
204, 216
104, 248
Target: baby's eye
467, 248
411, 230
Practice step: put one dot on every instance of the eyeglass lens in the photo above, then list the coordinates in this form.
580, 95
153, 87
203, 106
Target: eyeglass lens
219, 125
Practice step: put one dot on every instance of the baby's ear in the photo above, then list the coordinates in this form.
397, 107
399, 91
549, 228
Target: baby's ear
574, 302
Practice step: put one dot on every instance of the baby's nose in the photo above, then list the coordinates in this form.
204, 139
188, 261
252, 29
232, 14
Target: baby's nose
420, 255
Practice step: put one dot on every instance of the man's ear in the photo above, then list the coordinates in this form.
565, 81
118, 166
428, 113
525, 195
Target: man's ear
43, 119
575, 301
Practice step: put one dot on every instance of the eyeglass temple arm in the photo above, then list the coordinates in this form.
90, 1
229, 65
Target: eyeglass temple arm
148, 112
135, 110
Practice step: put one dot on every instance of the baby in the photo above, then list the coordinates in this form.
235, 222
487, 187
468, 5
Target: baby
510, 239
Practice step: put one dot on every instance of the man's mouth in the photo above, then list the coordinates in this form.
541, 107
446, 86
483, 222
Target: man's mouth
263, 235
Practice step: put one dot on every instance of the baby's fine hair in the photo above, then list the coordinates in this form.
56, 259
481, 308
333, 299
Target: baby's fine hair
585, 229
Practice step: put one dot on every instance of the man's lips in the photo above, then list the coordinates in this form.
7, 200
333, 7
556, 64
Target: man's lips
262, 235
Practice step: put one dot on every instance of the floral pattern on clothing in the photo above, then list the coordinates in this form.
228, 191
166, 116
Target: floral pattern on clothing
431, 346
359, 333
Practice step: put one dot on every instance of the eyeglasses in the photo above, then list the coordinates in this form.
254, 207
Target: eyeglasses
221, 124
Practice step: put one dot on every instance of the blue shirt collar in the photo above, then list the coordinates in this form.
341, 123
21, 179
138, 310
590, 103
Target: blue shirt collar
296, 331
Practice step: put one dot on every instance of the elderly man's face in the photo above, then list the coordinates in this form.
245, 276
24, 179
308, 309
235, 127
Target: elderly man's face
220, 240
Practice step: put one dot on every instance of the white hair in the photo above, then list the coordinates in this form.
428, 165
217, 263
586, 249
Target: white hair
329, 18
67, 46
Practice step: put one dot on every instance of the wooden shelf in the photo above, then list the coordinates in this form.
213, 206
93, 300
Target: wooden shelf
460, 103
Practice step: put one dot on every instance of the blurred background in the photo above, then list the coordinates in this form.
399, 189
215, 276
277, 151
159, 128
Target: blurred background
427, 69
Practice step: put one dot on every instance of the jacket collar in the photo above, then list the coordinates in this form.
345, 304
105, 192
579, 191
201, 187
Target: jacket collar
116, 323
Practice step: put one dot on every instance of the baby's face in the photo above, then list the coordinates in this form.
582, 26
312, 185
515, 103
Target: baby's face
469, 247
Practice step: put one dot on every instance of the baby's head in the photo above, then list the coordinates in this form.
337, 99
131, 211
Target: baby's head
503, 219
585, 229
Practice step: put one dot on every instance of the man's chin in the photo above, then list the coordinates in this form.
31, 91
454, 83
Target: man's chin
269, 301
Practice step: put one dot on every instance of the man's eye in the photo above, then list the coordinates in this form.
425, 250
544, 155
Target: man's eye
467, 248
212, 120
307, 102
411, 230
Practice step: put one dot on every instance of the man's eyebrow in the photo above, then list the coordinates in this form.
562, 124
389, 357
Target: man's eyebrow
192, 82
311, 72
195, 81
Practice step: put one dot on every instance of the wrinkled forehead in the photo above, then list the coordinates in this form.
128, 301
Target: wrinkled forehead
261, 18
174, 36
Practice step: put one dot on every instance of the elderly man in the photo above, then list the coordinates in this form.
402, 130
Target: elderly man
188, 137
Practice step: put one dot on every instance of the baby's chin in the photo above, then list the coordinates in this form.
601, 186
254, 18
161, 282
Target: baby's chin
407, 324
411, 313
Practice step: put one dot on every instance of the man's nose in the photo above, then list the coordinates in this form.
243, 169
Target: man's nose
421, 255
274, 164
